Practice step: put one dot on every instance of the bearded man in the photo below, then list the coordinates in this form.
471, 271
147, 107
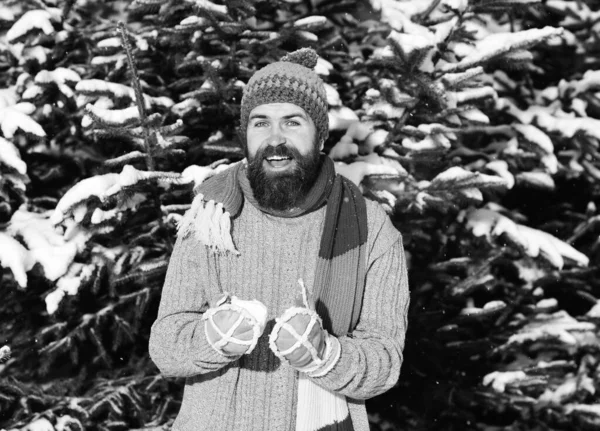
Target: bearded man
285, 301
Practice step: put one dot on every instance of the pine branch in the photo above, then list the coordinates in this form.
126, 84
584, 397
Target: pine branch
138, 92
5, 354
125, 159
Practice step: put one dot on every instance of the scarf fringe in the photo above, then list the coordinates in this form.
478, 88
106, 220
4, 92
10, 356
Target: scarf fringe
319, 409
211, 225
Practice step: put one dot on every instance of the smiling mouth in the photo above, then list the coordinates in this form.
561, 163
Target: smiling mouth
277, 158
278, 162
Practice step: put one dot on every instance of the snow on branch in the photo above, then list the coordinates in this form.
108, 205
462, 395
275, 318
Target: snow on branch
457, 80
559, 326
34, 20
16, 116
569, 127
4, 354
98, 87
118, 118
14, 256
68, 284
9, 156
489, 223
45, 245
358, 170
79, 193
210, 7
497, 44
536, 137
456, 178
61, 76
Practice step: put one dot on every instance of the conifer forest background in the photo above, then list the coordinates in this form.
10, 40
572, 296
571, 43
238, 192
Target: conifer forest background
475, 123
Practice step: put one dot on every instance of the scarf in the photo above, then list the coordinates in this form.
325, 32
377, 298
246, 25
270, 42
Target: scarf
340, 272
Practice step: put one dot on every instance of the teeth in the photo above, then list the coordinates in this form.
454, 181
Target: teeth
277, 158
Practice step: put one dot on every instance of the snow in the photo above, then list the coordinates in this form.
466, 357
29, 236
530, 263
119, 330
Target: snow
92, 186
458, 177
340, 118
583, 408
547, 303
385, 109
333, 97
412, 43
210, 6
569, 127
115, 117
376, 139
36, 52
8, 97
473, 94
559, 325
98, 86
323, 67
453, 80
488, 308
535, 136
594, 311
376, 159
357, 171
9, 155
540, 180
32, 92
34, 19
16, 258
444, 29
497, 44
41, 424
499, 379
197, 174
4, 352
311, 22
475, 115
550, 162
68, 284
111, 42
44, 243
60, 75
457, 5
489, 223
343, 150
15, 117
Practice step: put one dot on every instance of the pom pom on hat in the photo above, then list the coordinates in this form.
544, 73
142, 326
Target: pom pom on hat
306, 57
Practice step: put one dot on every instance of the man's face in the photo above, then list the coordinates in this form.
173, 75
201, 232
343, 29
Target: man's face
283, 157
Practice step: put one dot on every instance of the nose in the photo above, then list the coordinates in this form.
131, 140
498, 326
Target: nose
276, 137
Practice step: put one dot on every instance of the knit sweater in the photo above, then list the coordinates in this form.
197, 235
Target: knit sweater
258, 392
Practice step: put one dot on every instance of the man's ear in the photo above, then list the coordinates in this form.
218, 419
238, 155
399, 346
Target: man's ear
322, 145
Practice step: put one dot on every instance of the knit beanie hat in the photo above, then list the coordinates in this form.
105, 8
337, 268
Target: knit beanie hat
291, 80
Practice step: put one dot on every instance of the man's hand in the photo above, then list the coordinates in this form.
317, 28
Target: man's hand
233, 326
299, 339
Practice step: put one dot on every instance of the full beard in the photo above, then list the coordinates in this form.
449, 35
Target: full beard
285, 190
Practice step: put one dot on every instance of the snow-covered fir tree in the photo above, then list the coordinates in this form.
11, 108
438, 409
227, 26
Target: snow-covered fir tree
473, 122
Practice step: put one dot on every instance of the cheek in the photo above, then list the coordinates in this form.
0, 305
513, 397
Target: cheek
253, 142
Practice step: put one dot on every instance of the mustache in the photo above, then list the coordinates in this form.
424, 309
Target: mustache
280, 151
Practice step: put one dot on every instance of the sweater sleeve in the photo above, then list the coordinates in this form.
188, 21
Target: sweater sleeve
178, 344
371, 356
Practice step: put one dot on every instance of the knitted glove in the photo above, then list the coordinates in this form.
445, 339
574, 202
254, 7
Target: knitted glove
233, 326
298, 339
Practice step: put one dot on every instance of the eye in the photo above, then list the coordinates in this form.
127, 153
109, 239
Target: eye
260, 124
293, 123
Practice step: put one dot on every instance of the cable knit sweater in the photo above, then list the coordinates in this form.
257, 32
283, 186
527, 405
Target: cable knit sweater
258, 392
